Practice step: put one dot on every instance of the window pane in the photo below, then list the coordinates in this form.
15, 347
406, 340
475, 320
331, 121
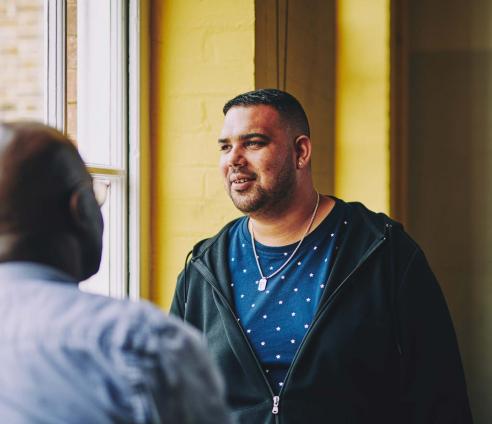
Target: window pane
100, 86
96, 119
22, 60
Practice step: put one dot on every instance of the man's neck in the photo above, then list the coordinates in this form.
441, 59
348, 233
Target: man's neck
290, 224
58, 251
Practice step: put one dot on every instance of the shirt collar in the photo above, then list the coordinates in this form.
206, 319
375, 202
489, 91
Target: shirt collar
23, 270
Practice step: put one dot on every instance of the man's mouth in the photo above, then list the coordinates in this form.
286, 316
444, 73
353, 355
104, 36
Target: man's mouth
240, 183
241, 180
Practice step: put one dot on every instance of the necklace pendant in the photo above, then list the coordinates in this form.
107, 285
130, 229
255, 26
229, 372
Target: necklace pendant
262, 284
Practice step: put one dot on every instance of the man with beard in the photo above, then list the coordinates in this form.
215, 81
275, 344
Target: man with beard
316, 310
73, 357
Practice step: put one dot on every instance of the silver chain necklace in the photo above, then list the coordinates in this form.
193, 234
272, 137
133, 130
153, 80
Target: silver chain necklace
264, 278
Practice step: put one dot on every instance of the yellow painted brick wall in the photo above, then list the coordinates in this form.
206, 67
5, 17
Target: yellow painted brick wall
202, 53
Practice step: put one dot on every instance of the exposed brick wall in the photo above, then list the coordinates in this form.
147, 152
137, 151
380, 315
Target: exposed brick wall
21, 59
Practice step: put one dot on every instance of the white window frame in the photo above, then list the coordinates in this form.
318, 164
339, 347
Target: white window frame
134, 147
124, 125
54, 42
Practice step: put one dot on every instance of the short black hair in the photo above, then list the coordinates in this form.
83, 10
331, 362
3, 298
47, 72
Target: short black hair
288, 107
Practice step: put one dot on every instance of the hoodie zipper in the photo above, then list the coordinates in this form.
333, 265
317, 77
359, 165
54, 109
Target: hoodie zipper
276, 401
323, 309
210, 279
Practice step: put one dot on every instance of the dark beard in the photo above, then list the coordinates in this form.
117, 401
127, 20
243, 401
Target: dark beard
267, 201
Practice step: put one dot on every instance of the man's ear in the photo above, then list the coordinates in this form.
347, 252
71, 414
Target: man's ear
303, 151
82, 207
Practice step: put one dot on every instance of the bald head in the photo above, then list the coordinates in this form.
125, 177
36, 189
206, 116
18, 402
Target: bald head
48, 212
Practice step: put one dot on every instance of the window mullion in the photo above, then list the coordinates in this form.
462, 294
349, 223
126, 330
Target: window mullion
55, 18
134, 148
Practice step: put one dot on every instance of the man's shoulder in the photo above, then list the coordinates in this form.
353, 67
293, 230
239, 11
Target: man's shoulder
382, 224
69, 320
137, 326
220, 237
92, 322
379, 220
119, 347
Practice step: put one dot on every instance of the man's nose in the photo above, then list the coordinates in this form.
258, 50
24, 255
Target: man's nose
236, 158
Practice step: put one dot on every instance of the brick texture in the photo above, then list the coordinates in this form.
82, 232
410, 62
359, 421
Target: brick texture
72, 69
21, 59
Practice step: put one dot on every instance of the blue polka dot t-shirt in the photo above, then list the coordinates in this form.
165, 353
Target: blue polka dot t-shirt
275, 320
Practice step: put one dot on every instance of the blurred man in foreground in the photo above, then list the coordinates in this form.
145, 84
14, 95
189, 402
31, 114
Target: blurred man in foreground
68, 356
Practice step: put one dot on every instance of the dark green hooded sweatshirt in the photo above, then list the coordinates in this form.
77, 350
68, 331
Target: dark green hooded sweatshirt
381, 348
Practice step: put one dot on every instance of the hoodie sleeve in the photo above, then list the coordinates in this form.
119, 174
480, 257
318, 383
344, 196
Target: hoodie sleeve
433, 389
177, 305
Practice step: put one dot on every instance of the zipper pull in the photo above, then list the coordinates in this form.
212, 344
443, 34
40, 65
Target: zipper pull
276, 400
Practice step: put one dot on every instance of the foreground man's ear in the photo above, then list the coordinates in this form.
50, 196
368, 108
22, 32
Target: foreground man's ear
83, 206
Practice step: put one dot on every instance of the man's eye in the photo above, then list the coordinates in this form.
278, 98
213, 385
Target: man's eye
255, 144
224, 147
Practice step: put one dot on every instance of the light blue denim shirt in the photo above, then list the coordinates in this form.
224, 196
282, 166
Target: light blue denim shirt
73, 357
